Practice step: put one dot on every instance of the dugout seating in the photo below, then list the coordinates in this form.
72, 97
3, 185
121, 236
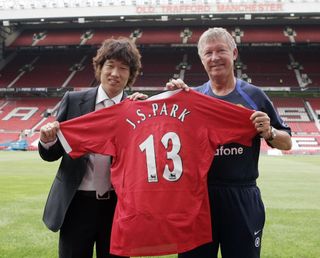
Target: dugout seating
9, 139
6, 138
33, 140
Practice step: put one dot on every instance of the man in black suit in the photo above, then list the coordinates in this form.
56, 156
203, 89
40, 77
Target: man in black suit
74, 206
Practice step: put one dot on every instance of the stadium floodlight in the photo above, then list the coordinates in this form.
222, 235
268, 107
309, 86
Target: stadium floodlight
81, 20
6, 23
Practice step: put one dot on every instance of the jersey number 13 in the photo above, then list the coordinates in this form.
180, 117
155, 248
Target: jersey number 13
148, 146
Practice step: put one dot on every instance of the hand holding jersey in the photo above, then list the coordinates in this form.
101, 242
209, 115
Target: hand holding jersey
261, 120
232, 176
48, 132
154, 144
81, 203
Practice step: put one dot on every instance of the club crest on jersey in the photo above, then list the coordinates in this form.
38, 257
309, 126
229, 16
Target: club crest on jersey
159, 110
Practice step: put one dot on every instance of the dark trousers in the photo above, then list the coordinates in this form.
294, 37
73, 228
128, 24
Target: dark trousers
87, 223
238, 218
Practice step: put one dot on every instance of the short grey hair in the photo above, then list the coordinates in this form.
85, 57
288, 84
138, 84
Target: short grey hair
212, 34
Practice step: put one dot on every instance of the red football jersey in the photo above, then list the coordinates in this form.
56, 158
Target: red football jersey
162, 151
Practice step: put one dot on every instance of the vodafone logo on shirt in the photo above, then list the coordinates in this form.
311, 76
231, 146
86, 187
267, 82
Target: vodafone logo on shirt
229, 151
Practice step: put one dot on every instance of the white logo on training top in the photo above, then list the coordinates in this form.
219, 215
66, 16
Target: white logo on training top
257, 242
256, 232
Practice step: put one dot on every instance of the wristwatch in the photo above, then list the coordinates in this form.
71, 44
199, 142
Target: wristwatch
273, 134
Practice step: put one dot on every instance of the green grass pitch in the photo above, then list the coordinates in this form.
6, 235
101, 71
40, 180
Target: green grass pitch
290, 187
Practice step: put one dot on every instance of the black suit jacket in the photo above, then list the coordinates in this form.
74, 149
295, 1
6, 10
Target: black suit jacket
71, 171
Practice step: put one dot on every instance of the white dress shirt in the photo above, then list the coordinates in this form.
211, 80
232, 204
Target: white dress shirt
87, 183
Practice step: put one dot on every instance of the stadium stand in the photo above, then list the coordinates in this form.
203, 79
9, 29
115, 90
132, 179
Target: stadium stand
99, 35
158, 67
278, 51
48, 38
308, 62
21, 119
18, 114
160, 36
82, 74
6, 138
262, 34
48, 70
296, 114
306, 34
194, 73
14, 69
268, 68
315, 104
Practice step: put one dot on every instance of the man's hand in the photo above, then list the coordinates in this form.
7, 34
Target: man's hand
174, 84
261, 122
138, 96
48, 132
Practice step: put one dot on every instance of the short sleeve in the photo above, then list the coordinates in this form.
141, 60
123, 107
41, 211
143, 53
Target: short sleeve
90, 133
226, 122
